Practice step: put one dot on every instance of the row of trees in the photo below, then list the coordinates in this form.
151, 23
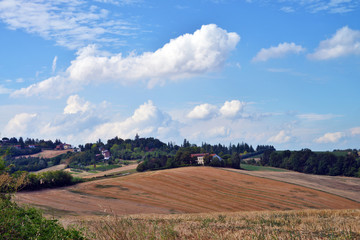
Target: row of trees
30, 141
11, 151
50, 179
162, 160
306, 161
31, 164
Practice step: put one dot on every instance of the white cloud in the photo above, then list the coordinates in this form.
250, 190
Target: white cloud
232, 108
4, 90
330, 137
203, 111
204, 51
355, 131
281, 137
76, 104
20, 124
279, 51
53, 67
218, 132
287, 9
72, 24
147, 120
344, 42
317, 117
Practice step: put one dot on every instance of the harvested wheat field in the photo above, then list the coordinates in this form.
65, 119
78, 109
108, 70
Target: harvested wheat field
48, 153
295, 224
182, 190
348, 187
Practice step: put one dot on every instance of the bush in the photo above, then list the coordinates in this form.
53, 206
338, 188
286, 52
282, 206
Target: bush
49, 179
28, 223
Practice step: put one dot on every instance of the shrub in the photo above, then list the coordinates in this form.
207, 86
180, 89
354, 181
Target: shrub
28, 223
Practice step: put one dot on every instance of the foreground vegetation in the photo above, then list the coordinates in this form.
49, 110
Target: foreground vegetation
306, 224
18, 222
28, 223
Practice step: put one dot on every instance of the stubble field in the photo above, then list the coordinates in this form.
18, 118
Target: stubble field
182, 190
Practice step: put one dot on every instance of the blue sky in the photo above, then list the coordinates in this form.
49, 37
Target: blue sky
285, 73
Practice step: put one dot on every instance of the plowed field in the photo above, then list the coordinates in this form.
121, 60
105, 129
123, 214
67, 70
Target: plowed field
183, 190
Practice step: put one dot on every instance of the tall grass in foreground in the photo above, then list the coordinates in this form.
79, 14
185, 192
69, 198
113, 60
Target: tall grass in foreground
306, 224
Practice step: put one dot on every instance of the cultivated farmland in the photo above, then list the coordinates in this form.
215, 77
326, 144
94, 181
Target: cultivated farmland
182, 190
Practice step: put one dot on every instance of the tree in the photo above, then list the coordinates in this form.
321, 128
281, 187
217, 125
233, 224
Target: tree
235, 161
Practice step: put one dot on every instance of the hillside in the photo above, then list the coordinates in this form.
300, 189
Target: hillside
182, 190
348, 187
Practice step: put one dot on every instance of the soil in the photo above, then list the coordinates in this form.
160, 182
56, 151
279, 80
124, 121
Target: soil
348, 187
181, 190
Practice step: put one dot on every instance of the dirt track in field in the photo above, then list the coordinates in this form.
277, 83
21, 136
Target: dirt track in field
348, 187
182, 190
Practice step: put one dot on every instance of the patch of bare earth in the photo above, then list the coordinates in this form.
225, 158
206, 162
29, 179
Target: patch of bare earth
348, 187
48, 153
182, 190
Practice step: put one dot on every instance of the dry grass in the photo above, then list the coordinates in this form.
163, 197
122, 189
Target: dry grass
48, 153
301, 224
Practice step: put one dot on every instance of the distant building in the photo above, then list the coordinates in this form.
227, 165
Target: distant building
106, 154
200, 157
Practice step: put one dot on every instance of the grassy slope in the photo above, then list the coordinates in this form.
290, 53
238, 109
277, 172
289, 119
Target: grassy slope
249, 167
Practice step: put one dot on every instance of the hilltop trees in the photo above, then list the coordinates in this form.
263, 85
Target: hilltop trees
306, 161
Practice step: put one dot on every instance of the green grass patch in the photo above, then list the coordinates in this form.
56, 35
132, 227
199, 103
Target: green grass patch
249, 167
103, 167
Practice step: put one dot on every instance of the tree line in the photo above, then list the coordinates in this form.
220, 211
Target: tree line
321, 163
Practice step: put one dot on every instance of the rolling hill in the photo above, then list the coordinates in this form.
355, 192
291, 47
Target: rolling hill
182, 190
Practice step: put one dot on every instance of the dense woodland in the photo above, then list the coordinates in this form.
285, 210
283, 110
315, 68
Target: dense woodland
345, 163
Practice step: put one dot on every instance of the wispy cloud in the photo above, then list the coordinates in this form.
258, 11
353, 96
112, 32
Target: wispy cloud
53, 67
4, 90
119, 2
287, 9
344, 42
314, 6
70, 23
279, 51
317, 117
204, 51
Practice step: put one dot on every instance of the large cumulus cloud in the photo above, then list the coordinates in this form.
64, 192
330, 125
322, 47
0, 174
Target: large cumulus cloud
188, 55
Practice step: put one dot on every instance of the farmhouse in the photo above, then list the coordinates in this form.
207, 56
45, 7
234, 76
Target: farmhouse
200, 157
106, 154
